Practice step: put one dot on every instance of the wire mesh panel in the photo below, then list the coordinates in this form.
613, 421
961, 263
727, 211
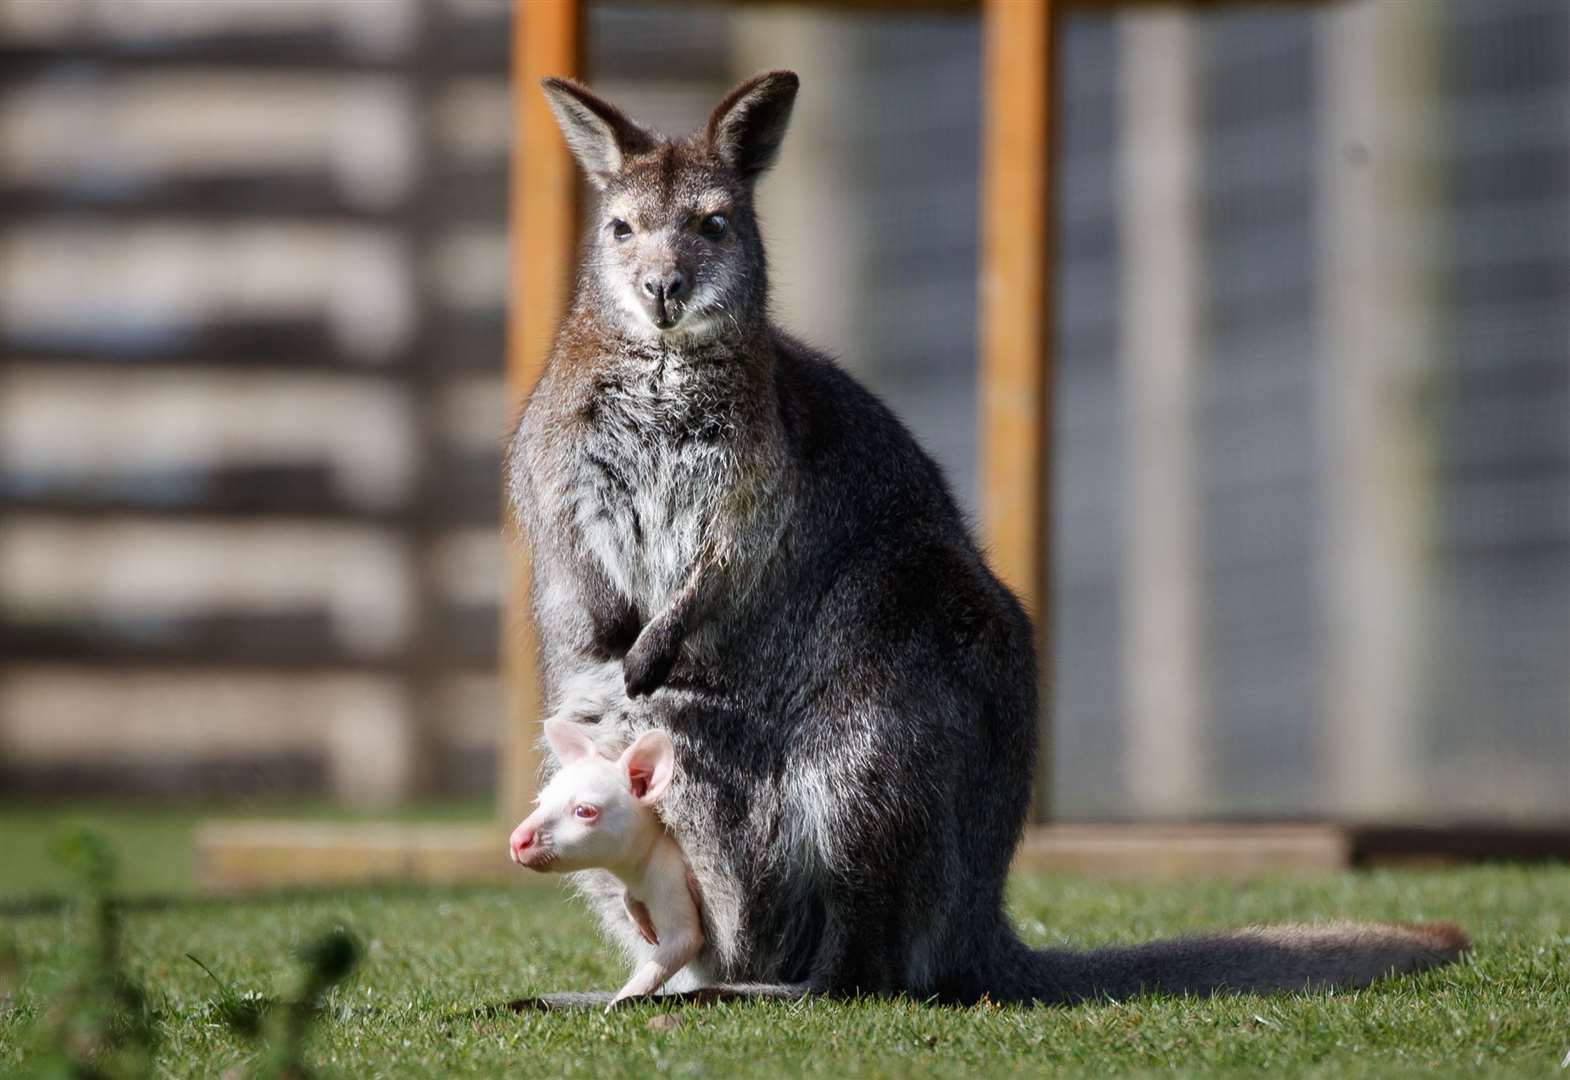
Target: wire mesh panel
1312, 436
1372, 420
1497, 691
1255, 422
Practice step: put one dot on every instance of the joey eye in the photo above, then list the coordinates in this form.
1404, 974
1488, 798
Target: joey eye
714, 226
585, 812
620, 229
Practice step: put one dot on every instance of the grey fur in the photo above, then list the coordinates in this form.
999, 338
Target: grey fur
783, 579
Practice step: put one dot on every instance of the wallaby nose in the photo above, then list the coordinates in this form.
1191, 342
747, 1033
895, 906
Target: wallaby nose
670, 285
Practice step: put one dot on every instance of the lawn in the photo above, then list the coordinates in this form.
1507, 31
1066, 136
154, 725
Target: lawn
437, 961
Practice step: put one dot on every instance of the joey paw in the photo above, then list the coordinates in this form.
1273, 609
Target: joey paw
622, 997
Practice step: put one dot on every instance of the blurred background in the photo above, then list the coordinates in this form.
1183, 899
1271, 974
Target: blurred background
1312, 439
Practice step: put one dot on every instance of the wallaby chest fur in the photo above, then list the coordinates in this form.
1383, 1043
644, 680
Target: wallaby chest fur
736, 543
644, 454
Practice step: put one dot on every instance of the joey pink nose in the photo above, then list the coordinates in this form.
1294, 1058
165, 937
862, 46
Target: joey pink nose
522, 837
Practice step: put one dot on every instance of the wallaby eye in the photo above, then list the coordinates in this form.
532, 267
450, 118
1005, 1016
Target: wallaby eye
585, 812
714, 226
620, 229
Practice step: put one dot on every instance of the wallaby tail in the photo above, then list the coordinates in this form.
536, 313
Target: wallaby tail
1261, 959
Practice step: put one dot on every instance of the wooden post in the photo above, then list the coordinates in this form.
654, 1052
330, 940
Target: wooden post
1380, 64
1016, 318
423, 667
1166, 706
544, 225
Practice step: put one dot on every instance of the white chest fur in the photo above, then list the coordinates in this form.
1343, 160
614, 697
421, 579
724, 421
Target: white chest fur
646, 480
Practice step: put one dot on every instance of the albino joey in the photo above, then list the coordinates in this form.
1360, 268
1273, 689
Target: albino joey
599, 813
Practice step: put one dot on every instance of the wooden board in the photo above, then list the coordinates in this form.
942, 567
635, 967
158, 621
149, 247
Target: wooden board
965, 7
1184, 852
1017, 220
242, 856
1015, 374
239, 856
546, 41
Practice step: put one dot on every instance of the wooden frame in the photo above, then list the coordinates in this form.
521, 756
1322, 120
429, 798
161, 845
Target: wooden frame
235, 856
1016, 372
1015, 306
547, 40
1015, 318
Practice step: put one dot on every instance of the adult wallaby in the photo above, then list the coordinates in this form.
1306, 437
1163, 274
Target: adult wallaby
735, 542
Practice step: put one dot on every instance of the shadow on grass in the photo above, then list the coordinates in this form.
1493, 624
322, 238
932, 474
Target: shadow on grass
581, 1000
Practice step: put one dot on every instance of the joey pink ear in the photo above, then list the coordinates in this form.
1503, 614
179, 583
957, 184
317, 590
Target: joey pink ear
599, 134
648, 764
746, 128
570, 741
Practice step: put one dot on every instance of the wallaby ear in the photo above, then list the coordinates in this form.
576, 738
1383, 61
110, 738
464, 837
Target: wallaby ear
649, 763
746, 129
570, 741
599, 134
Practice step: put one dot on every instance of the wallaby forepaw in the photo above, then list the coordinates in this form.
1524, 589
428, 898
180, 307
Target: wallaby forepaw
645, 669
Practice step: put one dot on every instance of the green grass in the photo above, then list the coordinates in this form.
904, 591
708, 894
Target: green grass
437, 961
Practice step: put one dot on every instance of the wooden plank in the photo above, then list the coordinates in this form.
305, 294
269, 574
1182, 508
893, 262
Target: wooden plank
1183, 852
238, 856
226, 495
472, 47
301, 640
460, 193
544, 217
1450, 843
1015, 373
89, 646
963, 7
213, 504
1113, 6
893, 7
422, 764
